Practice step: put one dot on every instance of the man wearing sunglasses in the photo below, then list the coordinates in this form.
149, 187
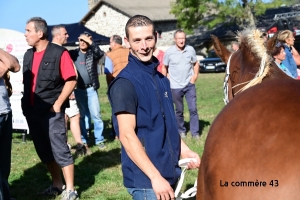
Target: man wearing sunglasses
86, 59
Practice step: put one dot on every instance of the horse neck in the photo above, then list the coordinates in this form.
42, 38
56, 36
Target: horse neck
244, 66
275, 73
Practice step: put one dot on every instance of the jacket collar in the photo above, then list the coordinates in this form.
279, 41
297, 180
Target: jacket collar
145, 66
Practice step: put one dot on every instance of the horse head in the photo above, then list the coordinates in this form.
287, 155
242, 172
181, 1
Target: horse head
246, 66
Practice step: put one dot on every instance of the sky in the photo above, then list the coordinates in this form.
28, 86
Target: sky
15, 13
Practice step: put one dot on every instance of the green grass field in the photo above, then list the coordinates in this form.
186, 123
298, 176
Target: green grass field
99, 175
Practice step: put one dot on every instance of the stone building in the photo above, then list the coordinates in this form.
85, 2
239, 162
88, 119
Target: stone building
108, 17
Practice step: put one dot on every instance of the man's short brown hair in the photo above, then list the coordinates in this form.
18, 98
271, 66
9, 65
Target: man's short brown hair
138, 20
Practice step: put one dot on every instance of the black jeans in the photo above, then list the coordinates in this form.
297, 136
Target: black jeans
5, 153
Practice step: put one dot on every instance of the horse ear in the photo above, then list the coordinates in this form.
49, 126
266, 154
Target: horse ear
216, 43
219, 48
271, 42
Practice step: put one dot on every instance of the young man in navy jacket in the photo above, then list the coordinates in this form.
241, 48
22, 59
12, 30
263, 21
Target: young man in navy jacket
144, 119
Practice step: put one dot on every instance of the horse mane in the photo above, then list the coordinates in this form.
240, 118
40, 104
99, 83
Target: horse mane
251, 38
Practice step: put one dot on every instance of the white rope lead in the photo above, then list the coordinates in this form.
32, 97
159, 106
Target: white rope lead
225, 85
190, 192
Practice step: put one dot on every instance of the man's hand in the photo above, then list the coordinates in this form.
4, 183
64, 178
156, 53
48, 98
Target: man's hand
162, 188
85, 38
192, 154
8, 62
55, 108
192, 81
187, 153
64, 95
196, 72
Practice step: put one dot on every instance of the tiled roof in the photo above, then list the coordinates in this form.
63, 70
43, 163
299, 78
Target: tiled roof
156, 10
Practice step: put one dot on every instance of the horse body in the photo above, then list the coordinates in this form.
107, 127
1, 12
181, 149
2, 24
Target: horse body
254, 139
251, 151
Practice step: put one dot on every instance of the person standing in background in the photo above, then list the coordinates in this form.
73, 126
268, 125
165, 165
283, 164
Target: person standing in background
60, 37
287, 38
182, 68
279, 55
7, 62
86, 59
115, 61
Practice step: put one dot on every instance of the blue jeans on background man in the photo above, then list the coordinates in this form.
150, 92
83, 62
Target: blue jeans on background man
5, 153
189, 92
88, 121
87, 101
141, 193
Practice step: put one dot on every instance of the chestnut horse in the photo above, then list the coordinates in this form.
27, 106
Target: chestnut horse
251, 151
252, 148
247, 66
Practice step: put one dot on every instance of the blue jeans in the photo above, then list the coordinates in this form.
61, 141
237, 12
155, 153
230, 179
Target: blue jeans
88, 102
88, 121
189, 92
5, 153
142, 194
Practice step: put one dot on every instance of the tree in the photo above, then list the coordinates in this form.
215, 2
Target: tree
192, 13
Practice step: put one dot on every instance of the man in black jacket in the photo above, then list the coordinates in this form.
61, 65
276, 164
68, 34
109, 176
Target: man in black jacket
49, 78
86, 59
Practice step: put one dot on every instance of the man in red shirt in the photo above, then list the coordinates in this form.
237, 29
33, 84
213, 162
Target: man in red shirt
60, 37
49, 78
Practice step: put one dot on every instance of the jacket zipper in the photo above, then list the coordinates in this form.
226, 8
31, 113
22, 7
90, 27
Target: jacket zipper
167, 134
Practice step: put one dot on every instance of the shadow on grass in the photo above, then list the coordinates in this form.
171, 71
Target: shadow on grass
202, 125
90, 166
37, 178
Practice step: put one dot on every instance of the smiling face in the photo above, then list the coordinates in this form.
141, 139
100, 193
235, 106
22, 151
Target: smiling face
32, 37
141, 41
